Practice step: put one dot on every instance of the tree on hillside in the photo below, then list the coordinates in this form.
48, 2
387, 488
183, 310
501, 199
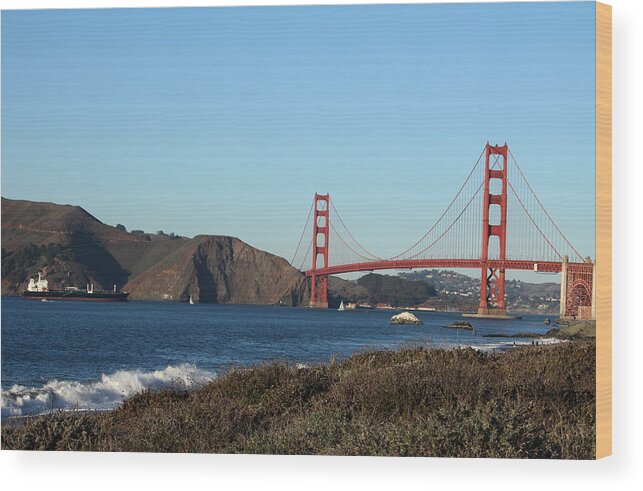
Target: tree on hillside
17, 265
396, 291
121, 227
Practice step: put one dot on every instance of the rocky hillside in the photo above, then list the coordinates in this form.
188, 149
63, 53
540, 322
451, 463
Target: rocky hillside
220, 270
74, 248
394, 290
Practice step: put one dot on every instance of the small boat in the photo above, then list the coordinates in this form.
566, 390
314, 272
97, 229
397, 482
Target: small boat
341, 306
191, 301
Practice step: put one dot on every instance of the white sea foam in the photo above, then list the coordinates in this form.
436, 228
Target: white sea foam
103, 394
499, 345
504, 345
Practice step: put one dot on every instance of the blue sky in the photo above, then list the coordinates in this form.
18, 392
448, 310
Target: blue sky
227, 120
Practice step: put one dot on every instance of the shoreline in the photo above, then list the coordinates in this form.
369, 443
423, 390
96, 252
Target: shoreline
404, 403
303, 306
30, 395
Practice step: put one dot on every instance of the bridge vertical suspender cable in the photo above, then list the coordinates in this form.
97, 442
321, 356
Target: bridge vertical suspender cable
301, 237
448, 208
537, 200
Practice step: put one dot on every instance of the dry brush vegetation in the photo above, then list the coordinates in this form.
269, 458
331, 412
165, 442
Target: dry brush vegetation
535, 402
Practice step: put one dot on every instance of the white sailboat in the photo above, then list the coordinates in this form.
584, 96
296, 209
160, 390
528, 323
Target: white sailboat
341, 306
191, 301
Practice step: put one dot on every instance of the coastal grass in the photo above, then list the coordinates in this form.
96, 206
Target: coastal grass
532, 402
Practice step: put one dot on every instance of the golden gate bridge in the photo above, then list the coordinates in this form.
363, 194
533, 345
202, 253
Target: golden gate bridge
495, 222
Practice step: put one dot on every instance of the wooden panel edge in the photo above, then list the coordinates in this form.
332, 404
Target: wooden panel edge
603, 230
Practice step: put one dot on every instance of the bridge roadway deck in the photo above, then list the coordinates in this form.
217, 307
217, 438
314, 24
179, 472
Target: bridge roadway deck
540, 266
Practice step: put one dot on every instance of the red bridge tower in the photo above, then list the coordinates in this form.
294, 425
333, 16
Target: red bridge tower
492, 285
321, 224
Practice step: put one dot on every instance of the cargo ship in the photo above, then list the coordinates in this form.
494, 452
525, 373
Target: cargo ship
39, 290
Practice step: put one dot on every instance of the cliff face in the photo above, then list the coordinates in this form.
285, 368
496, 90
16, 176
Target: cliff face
219, 269
74, 248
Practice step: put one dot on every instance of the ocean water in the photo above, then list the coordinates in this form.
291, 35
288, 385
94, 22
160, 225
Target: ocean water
92, 356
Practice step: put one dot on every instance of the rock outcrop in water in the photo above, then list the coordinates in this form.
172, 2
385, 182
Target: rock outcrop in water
405, 318
460, 325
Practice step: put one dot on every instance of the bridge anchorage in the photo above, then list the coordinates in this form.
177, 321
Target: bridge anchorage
495, 223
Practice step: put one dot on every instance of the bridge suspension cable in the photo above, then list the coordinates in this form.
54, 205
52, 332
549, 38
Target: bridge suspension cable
306, 256
532, 220
453, 223
368, 253
343, 260
301, 237
573, 252
457, 234
437, 222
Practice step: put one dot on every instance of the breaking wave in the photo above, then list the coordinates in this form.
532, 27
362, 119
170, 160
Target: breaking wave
104, 394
